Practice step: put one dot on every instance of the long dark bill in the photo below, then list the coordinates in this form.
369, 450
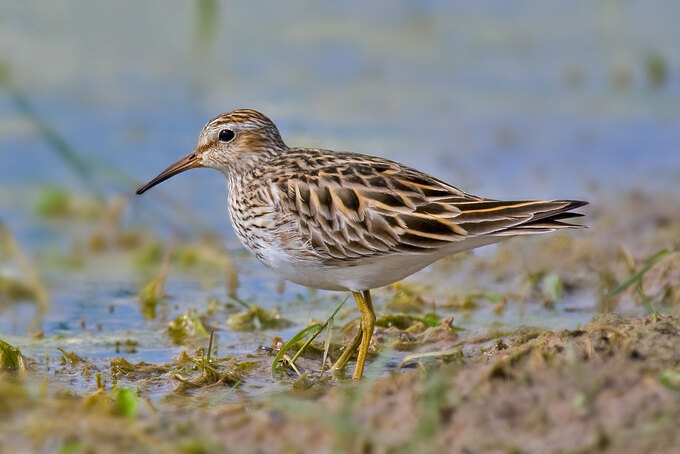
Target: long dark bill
188, 162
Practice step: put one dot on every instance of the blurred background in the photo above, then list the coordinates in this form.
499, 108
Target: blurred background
518, 99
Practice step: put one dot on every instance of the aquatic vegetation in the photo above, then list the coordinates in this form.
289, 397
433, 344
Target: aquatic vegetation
662, 281
154, 290
187, 326
15, 290
637, 280
59, 203
127, 346
127, 402
408, 322
209, 375
312, 331
408, 297
70, 358
120, 367
53, 202
656, 69
466, 302
257, 318
11, 359
27, 288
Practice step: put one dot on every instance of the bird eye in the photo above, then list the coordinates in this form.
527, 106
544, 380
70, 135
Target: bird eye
226, 135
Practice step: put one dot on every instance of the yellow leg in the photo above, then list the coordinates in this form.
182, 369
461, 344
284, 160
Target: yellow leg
367, 324
349, 350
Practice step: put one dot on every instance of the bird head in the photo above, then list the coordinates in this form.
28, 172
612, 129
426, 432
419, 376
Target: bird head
232, 142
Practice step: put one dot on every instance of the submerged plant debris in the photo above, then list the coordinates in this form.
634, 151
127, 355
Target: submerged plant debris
257, 318
186, 326
524, 390
11, 359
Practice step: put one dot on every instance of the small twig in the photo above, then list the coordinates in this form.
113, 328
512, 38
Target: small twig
327, 345
212, 333
453, 352
240, 301
290, 362
179, 378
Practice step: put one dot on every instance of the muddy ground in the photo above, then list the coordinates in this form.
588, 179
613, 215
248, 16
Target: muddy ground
611, 386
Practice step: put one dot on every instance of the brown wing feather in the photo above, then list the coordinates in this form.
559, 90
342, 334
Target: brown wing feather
355, 206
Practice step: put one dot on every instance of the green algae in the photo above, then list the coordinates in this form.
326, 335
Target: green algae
127, 346
407, 297
121, 366
11, 359
530, 371
53, 202
127, 402
153, 292
416, 324
257, 318
70, 358
185, 327
408, 321
399, 321
12, 290
656, 69
27, 284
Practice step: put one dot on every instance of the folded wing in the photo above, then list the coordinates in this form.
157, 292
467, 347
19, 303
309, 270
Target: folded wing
361, 207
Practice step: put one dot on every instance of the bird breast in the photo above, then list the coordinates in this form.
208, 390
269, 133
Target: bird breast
267, 231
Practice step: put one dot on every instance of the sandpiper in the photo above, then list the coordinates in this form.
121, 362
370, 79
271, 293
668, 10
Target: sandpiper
347, 221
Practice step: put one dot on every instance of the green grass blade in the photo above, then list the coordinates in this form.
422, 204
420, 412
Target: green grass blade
327, 323
337, 309
306, 344
640, 273
207, 16
128, 402
240, 301
327, 344
299, 336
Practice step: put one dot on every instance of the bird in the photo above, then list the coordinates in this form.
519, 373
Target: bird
347, 221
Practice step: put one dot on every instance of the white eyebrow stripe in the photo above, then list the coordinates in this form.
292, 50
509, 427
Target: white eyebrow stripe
244, 125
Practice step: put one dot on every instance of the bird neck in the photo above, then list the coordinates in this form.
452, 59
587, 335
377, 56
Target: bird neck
249, 164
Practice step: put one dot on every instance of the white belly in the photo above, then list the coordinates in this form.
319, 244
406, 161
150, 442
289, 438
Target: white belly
364, 274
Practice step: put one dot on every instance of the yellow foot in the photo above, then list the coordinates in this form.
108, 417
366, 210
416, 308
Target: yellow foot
362, 338
367, 324
349, 350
